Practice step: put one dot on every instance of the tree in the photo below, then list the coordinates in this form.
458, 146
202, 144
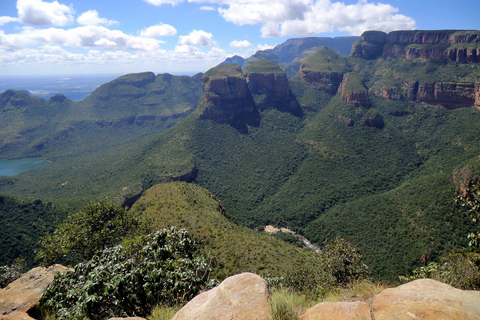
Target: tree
469, 198
83, 234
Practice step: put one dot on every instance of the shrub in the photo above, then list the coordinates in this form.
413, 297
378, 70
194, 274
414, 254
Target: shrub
12, 272
130, 280
86, 233
285, 304
460, 270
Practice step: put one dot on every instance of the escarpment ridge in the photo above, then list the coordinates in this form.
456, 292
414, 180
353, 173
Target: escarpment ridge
462, 46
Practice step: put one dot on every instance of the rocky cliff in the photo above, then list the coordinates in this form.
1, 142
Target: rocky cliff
324, 69
227, 98
269, 86
438, 45
353, 91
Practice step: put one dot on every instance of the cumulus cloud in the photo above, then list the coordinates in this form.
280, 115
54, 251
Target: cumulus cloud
306, 17
160, 2
78, 38
160, 30
207, 8
5, 19
198, 38
92, 18
40, 13
240, 44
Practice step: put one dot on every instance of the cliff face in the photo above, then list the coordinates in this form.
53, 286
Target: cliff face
227, 98
269, 86
450, 95
438, 45
353, 91
324, 69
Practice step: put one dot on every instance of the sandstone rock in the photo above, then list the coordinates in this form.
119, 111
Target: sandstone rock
227, 98
268, 84
22, 294
426, 299
339, 311
239, 297
129, 318
353, 91
438, 45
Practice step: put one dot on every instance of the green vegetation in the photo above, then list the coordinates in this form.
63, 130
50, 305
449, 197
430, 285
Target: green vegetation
325, 60
263, 67
23, 222
459, 269
129, 280
227, 70
12, 272
86, 233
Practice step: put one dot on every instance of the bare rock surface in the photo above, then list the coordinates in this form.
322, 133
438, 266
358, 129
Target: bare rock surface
342, 310
240, 297
424, 299
22, 294
427, 299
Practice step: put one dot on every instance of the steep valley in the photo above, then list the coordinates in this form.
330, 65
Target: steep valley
364, 147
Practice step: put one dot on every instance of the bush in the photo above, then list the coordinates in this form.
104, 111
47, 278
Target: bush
286, 305
130, 280
460, 270
86, 233
12, 272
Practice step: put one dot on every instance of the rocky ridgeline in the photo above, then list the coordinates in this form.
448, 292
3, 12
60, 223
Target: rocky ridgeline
245, 296
235, 97
436, 45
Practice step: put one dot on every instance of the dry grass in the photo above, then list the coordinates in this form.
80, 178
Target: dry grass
163, 313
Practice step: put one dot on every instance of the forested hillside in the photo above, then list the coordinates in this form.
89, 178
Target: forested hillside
364, 146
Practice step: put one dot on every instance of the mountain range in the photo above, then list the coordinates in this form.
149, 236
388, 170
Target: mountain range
365, 146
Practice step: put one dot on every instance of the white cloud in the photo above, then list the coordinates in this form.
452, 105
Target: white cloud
5, 19
207, 8
160, 30
92, 18
198, 38
306, 17
78, 38
240, 44
39, 13
160, 2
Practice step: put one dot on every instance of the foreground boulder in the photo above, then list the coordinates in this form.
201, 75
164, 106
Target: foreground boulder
427, 299
22, 294
424, 299
240, 297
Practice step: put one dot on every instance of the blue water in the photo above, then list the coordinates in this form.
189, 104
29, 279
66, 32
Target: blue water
14, 167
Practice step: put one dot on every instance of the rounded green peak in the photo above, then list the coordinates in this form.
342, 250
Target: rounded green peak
226, 70
324, 59
263, 66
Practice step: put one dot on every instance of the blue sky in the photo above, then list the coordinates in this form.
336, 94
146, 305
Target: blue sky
183, 36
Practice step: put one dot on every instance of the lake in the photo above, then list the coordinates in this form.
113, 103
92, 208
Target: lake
14, 167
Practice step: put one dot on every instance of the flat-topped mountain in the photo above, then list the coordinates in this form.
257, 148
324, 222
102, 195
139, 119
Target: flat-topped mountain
462, 46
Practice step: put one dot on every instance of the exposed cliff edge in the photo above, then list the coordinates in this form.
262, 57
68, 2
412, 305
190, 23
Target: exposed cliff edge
324, 69
353, 91
227, 98
269, 86
438, 45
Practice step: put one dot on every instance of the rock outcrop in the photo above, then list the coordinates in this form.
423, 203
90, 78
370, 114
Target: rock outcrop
426, 299
227, 98
22, 294
324, 69
438, 45
240, 297
450, 95
421, 299
376, 120
268, 84
353, 91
